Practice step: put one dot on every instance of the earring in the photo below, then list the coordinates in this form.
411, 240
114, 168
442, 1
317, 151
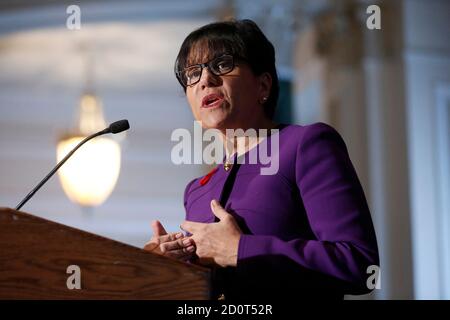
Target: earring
264, 99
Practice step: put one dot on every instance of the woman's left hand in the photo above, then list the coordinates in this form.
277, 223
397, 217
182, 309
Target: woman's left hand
216, 243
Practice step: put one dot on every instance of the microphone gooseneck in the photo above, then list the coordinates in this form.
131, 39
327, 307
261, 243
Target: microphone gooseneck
114, 128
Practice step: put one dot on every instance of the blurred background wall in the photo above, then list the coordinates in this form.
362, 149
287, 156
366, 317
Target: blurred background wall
386, 91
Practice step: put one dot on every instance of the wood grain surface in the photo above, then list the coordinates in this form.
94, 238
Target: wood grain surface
35, 254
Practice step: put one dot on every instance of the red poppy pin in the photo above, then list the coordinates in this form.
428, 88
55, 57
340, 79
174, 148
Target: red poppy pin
206, 178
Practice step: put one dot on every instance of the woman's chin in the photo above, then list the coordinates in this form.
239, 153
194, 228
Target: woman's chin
214, 121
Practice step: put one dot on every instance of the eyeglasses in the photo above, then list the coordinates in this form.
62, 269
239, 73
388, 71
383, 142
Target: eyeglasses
217, 66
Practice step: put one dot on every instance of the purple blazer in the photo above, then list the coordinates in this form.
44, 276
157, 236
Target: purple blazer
307, 229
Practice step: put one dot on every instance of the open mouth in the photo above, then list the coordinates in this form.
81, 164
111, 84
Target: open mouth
211, 100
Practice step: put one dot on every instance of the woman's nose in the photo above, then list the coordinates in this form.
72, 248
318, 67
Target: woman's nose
209, 79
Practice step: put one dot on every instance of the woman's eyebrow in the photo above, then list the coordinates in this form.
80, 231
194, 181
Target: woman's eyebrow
192, 61
209, 57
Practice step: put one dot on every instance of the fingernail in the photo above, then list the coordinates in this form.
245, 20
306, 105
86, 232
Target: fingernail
190, 249
214, 203
187, 242
178, 235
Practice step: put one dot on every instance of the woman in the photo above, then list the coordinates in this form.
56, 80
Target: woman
305, 231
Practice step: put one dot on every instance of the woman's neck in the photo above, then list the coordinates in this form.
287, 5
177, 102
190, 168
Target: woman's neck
241, 140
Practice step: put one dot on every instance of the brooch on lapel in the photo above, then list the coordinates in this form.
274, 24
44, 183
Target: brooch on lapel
206, 178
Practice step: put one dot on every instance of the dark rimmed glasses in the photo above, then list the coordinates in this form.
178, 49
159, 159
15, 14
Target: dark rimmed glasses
218, 66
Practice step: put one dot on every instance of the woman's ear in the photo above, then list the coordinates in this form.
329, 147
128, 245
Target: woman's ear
265, 86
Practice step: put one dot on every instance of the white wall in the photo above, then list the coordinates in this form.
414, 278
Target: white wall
427, 57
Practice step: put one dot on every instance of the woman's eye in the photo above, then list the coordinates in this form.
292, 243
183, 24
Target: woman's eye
222, 66
192, 74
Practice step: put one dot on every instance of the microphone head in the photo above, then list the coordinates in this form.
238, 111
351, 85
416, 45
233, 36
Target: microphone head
119, 126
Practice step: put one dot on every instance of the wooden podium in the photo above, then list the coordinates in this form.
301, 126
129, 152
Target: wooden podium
35, 254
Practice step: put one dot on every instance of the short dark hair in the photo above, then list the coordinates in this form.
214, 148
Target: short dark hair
240, 38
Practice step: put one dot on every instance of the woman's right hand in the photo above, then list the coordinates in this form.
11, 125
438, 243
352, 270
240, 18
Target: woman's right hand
174, 244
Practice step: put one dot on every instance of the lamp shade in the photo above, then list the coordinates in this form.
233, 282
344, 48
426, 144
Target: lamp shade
90, 175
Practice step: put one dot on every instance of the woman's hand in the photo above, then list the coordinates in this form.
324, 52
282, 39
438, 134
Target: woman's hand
216, 243
174, 245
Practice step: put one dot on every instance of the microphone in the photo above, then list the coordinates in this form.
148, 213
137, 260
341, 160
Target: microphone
114, 128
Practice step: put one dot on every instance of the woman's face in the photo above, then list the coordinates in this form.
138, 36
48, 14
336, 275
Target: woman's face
229, 101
